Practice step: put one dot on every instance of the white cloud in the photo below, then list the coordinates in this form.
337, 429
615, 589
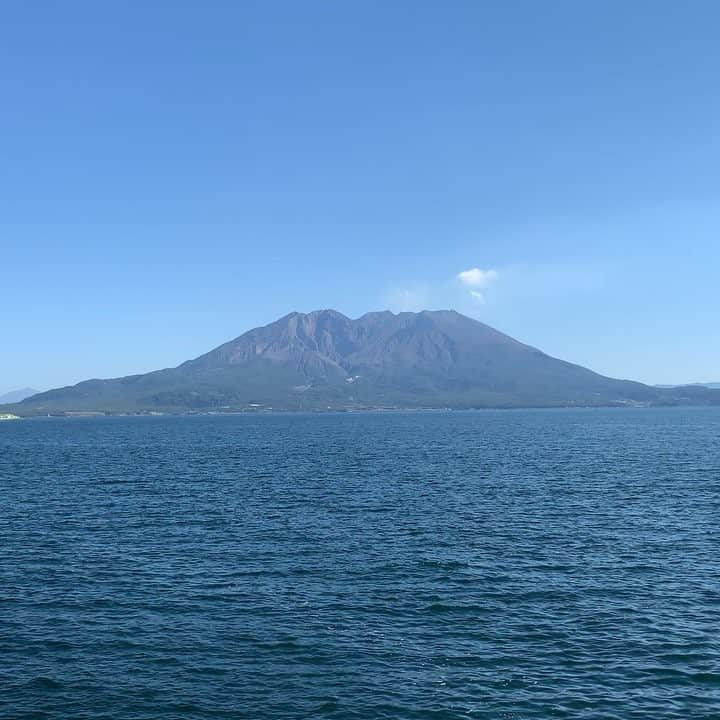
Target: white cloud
477, 281
477, 278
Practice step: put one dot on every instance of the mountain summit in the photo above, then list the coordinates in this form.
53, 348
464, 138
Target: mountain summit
324, 359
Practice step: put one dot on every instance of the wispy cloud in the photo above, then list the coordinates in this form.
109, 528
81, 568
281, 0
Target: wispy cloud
465, 291
489, 293
407, 299
477, 281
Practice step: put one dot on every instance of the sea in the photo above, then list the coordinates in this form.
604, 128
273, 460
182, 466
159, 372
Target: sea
400, 565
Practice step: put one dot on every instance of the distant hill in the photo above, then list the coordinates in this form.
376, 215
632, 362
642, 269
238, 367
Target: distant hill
324, 360
710, 385
16, 396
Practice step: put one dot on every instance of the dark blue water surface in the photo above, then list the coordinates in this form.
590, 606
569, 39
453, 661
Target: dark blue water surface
534, 564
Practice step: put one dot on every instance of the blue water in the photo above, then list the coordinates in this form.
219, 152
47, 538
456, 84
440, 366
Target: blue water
518, 564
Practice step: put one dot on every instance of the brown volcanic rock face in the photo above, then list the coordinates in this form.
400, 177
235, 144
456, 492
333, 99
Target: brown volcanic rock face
313, 342
375, 339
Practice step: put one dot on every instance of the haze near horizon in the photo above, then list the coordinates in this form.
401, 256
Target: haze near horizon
173, 177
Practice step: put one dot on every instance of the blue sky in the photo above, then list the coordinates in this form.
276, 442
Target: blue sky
174, 173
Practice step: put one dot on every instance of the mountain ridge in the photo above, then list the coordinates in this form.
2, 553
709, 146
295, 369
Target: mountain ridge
14, 396
710, 385
326, 360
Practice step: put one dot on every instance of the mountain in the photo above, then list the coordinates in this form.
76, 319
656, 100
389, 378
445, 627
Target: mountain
325, 360
15, 396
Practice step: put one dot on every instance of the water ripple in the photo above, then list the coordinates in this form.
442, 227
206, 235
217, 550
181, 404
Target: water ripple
492, 565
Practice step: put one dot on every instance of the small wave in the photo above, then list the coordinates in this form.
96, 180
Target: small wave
41, 682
